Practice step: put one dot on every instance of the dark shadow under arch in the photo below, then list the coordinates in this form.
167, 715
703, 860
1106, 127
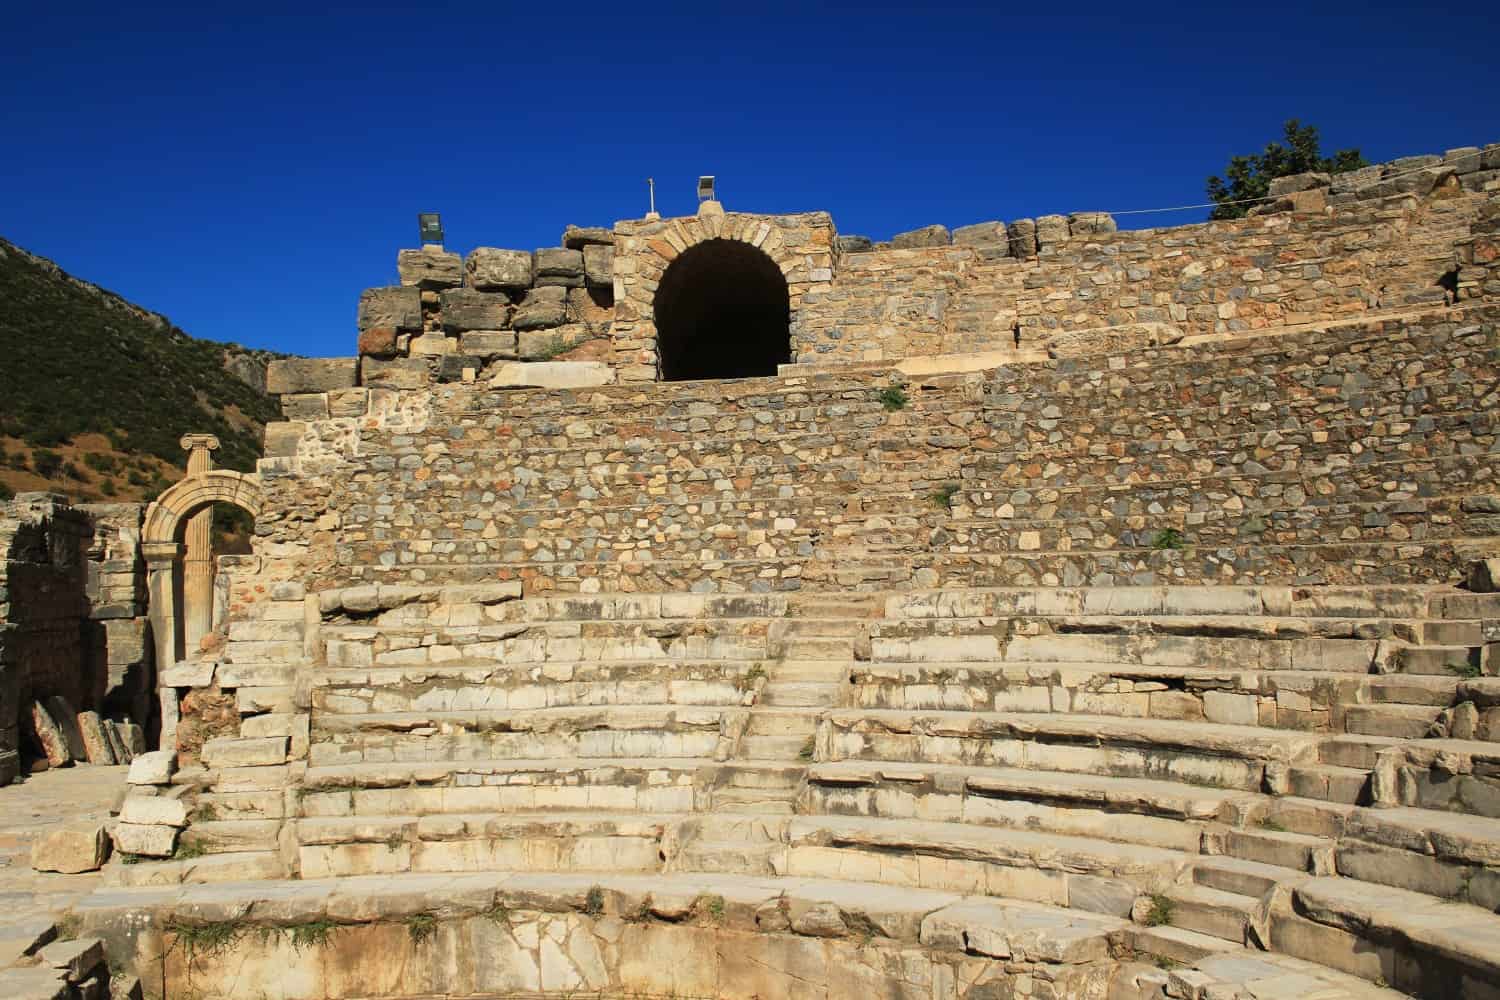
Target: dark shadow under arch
722, 311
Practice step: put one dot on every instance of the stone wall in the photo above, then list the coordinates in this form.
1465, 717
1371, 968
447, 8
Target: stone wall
118, 643
43, 546
1341, 455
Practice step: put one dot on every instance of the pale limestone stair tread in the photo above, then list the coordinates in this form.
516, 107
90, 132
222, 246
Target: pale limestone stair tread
527, 720
801, 722
400, 774
1183, 947
771, 747
802, 694
225, 836
1249, 742
1236, 875
1211, 911
1298, 852
1270, 976
1354, 750
999, 845
1458, 932
811, 670
231, 866
1153, 797
377, 828
1331, 782
1449, 836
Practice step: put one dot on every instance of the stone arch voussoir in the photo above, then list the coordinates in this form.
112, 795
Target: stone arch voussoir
167, 516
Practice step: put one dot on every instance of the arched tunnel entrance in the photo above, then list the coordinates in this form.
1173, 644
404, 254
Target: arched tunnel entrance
722, 311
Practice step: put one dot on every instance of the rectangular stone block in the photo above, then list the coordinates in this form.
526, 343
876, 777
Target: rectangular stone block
397, 373
153, 810
94, 740
542, 307
288, 375
599, 266
430, 268
148, 841
981, 234
559, 266
551, 375
583, 237
491, 270
396, 308
231, 752
488, 344
466, 309
153, 768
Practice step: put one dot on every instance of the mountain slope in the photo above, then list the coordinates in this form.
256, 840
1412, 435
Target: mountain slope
95, 391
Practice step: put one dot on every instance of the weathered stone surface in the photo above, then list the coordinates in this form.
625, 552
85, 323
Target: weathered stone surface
543, 345
147, 841
1299, 182
579, 237
154, 810
1051, 230
76, 958
155, 767
287, 375
543, 307
68, 723
1111, 340
429, 269
551, 375
493, 270
599, 266
1022, 234
396, 308
854, 244
466, 309
981, 234
49, 736
231, 752
395, 373
488, 344
1091, 223
927, 236
95, 742
71, 850
1484, 576
558, 266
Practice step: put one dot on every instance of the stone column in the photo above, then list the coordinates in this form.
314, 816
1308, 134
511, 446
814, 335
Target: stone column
162, 584
198, 561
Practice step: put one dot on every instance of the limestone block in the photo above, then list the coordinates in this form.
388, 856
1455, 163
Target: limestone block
927, 236
231, 752
349, 402
94, 740
49, 736
67, 720
134, 737
1051, 230
854, 244
1298, 182
1105, 340
76, 959
466, 309
982, 234
430, 345
552, 375
116, 743
397, 373
153, 810
153, 768
71, 850
283, 439
429, 269
1231, 709
599, 266
38, 983
396, 308
380, 342
542, 308
491, 269
488, 344
557, 266
149, 841
1022, 234
1352, 181
189, 673
286, 375
1091, 223
306, 405
541, 345
581, 237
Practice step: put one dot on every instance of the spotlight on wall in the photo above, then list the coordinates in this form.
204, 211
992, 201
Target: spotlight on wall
431, 224
706, 188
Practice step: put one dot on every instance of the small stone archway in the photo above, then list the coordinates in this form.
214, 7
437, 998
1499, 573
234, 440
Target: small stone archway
168, 520
722, 310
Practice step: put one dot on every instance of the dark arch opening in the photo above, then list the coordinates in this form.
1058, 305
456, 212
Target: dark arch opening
722, 311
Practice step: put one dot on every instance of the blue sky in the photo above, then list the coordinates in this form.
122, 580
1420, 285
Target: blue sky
249, 175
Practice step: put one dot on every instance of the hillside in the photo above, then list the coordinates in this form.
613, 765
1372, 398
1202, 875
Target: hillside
95, 391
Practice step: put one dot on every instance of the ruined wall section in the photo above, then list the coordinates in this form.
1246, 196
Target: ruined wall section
1341, 455
1223, 278
117, 635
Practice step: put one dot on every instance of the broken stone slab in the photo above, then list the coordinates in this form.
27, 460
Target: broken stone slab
1102, 340
1091, 224
25, 935
1299, 182
155, 767
50, 737
71, 850
982, 234
558, 266
397, 308
542, 307
134, 737
581, 237
430, 268
488, 345
34, 983
147, 841
94, 739
291, 375
76, 959
552, 375
467, 309
927, 236
154, 810
854, 244
189, 673
116, 742
599, 266
67, 720
1022, 233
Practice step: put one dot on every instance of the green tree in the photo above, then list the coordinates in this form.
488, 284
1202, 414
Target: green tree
1250, 177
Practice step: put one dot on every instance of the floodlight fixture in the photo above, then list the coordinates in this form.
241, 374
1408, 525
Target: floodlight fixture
431, 224
706, 188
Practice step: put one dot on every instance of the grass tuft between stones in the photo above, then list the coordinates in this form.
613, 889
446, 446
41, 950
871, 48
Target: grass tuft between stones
1160, 912
893, 398
421, 926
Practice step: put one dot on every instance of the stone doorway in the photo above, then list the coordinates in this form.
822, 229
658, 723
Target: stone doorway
723, 310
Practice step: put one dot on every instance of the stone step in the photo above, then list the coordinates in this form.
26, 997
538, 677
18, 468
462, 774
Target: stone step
1354, 751
1440, 660
752, 800
1214, 912
231, 835
1177, 946
1452, 632
1297, 851
1461, 604
781, 694
816, 671
843, 628
807, 648
239, 866
1406, 722
1317, 818
1245, 878
767, 774
801, 723
771, 747
1331, 783
728, 856
1371, 602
